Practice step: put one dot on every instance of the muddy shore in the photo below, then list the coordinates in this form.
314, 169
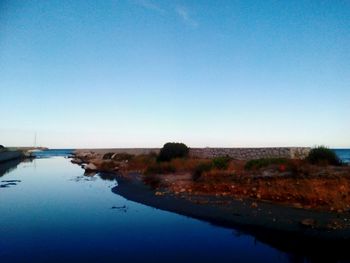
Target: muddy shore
277, 225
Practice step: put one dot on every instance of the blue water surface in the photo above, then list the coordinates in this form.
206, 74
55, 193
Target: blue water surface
343, 154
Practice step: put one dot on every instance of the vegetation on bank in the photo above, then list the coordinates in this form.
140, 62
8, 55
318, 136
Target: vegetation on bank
200, 170
174, 158
322, 155
316, 182
172, 150
264, 162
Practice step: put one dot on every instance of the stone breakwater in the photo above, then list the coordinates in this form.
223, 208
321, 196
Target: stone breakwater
236, 153
252, 153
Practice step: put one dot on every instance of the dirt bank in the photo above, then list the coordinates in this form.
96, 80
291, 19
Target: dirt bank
289, 229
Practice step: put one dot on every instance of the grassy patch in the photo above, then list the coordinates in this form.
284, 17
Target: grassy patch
264, 162
200, 169
160, 168
221, 163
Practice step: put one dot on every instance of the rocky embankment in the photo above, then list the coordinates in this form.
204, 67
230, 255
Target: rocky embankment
101, 161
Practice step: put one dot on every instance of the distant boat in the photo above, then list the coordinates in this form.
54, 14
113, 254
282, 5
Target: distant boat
32, 151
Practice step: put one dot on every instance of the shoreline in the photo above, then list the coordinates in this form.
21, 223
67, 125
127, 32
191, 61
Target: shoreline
276, 225
236, 198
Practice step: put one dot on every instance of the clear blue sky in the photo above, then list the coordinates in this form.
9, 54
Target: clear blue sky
138, 73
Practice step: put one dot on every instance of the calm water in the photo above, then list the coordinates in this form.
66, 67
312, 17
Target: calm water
51, 212
343, 154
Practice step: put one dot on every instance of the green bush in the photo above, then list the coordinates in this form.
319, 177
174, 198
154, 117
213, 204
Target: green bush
323, 155
221, 162
172, 150
263, 162
200, 169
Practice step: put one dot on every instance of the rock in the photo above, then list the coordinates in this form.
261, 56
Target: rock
297, 205
107, 156
254, 205
90, 167
335, 224
308, 222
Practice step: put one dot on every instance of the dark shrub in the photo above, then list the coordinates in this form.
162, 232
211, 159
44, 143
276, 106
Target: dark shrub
200, 169
172, 150
323, 155
221, 162
263, 162
107, 166
2, 147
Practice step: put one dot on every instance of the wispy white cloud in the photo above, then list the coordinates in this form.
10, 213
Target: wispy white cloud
150, 5
181, 11
185, 15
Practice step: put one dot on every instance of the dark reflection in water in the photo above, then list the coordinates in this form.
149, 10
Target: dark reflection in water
6, 167
56, 214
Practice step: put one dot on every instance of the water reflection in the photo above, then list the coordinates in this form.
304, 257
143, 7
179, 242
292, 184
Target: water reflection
6, 167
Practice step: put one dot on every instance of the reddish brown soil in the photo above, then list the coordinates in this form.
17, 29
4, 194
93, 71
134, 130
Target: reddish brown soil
296, 184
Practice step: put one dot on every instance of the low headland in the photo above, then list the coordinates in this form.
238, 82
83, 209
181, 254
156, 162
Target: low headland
17, 153
301, 192
8, 154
